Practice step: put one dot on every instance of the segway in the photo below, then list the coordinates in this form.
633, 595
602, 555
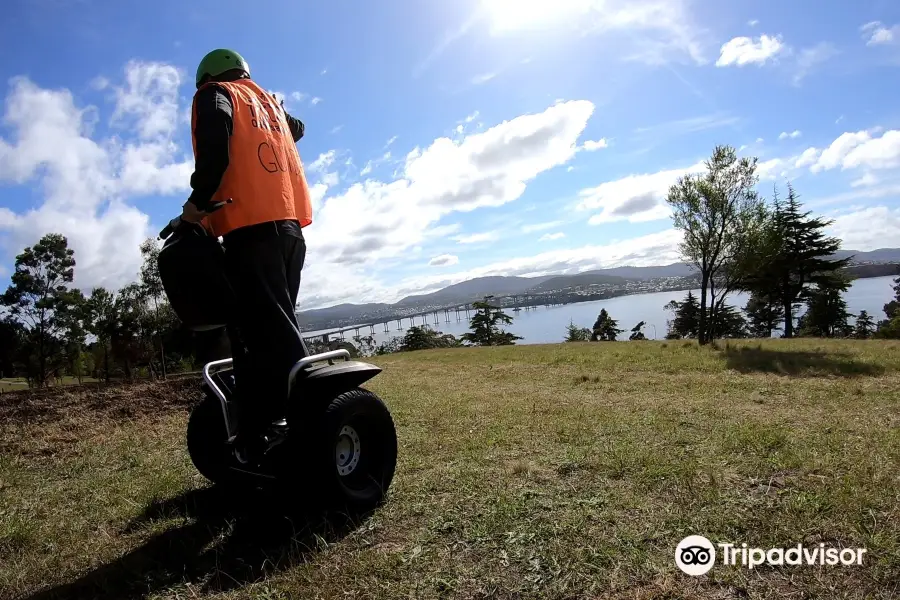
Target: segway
339, 444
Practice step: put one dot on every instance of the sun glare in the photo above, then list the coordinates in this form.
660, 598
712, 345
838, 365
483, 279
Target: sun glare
511, 15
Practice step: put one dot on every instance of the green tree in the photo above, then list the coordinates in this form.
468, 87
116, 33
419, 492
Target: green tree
102, 321
154, 291
574, 333
130, 340
764, 316
389, 347
728, 323
890, 309
36, 297
605, 329
865, 325
801, 262
365, 344
425, 338
12, 341
72, 318
723, 220
636, 333
826, 315
485, 326
686, 323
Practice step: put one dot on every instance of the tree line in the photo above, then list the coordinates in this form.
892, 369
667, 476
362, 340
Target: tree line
49, 331
826, 316
740, 242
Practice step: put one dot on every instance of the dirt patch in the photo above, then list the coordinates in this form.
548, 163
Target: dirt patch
39, 407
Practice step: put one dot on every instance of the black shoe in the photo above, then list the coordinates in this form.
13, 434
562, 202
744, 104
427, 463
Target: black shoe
249, 450
253, 449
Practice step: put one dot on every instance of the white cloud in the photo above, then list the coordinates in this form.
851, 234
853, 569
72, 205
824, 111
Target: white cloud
771, 169
549, 237
85, 182
689, 125
324, 160
315, 100
347, 247
298, 96
868, 229
391, 141
370, 165
477, 238
876, 33
759, 140
444, 260
483, 78
876, 153
635, 198
753, 22
150, 98
742, 51
809, 58
540, 226
861, 149
330, 179
471, 117
865, 181
876, 191
336, 129
807, 158
792, 135
591, 145
100, 83
317, 193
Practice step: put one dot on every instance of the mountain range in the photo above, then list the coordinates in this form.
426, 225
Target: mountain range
476, 289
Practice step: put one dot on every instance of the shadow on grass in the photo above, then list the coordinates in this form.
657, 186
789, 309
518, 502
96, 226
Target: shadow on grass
227, 539
798, 364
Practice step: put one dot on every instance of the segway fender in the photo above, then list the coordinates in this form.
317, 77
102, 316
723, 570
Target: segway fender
337, 378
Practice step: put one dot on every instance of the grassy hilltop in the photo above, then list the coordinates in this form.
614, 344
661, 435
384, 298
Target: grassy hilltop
558, 471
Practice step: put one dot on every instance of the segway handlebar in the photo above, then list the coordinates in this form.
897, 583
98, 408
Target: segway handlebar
176, 222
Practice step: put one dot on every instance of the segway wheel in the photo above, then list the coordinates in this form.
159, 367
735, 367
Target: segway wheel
357, 451
206, 440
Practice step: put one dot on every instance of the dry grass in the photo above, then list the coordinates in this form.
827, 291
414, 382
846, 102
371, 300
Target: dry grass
562, 471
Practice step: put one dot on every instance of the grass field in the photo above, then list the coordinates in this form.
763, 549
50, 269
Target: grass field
559, 471
11, 384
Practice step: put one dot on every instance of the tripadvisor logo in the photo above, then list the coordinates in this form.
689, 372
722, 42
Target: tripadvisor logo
696, 555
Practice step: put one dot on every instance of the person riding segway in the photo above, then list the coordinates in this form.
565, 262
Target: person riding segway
274, 414
244, 150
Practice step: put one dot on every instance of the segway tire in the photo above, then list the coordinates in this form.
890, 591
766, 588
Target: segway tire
356, 452
206, 440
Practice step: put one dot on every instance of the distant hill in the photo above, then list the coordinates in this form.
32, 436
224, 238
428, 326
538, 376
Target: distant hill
882, 254
581, 279
338, 313
474, 289
672, 270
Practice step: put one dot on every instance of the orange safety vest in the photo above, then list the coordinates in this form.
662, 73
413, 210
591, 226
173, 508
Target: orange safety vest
264, 178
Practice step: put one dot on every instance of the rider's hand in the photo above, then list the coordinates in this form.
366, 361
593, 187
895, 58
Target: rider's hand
191, 214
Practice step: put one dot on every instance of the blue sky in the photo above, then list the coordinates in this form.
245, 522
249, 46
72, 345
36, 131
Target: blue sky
451, 140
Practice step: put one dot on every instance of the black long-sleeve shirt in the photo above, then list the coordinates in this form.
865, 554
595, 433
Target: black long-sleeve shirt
213, 128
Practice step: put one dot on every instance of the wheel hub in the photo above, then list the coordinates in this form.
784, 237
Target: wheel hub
346, 451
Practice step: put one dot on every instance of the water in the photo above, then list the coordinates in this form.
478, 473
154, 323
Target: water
548, 325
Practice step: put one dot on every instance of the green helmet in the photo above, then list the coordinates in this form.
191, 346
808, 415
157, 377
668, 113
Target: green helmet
219, 61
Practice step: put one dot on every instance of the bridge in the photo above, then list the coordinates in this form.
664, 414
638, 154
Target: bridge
436, 317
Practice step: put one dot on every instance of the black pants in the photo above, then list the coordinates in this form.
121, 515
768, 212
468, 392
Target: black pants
263, 264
